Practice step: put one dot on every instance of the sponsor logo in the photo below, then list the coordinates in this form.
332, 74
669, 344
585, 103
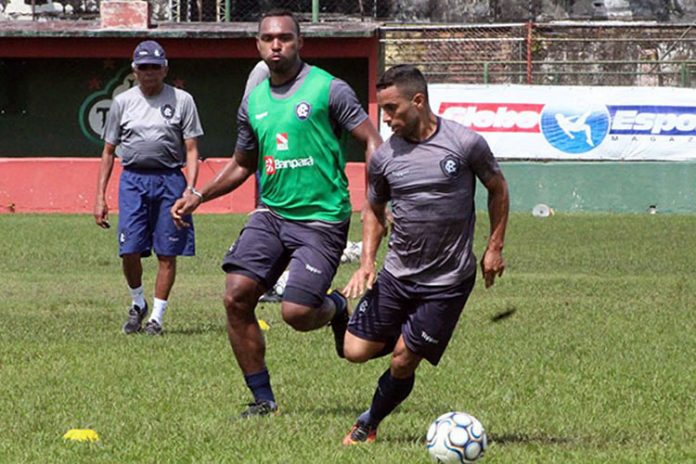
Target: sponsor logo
272, 165
167, 111
261, 115
494, 117
402, 173
312, 269
574, 128
428, 338
269, 164
653, 120
303, 110
282, 141
450, 166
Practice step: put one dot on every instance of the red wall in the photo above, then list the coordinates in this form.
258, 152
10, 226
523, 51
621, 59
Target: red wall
68, 185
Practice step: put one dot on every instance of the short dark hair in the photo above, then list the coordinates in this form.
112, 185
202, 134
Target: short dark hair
407, 77
280, 12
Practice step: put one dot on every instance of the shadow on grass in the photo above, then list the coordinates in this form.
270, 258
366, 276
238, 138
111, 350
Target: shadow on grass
199, 330
501, 316
526, 439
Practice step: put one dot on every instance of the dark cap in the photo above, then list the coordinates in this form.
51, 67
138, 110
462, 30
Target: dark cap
149, 52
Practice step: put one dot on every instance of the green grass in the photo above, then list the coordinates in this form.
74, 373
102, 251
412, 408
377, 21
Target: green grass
596, 364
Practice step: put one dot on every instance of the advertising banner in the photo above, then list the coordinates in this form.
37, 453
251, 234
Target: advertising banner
574, 123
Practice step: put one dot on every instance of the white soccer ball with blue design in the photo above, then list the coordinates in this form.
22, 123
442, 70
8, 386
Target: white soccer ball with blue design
456, 437
279, 286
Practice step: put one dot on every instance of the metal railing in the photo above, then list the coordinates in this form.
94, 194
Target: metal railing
594, 54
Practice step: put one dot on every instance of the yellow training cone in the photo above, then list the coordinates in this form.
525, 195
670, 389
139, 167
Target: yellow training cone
263, 325
81, 435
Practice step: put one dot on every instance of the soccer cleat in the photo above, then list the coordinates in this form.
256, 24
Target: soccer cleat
339, 323
135, 319
260, 408
153, 328
360, 433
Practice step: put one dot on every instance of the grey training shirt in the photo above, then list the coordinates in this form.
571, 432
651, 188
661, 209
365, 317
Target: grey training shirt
149, 132
431, 185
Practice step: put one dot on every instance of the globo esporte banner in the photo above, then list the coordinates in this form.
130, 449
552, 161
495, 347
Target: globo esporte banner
574, 123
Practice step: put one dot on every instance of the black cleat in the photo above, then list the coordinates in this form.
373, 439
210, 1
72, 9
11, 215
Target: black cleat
260, 408
135, 319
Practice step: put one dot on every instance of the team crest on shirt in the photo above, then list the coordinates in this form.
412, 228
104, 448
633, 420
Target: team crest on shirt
167, 111
450, 166
303, 110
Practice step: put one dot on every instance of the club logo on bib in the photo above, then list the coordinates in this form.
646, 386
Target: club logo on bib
450, 166
282, 142
167, 111
303, 110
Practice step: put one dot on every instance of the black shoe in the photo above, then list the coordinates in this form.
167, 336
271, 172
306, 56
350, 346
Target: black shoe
260, 408
153, 328
135, 319
339, 323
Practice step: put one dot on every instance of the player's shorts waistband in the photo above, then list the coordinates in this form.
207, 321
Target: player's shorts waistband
151, 170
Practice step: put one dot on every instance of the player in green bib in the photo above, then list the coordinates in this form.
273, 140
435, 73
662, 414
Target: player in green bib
290, 129
302, 168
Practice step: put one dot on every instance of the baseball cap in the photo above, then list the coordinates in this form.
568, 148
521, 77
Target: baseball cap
149, 52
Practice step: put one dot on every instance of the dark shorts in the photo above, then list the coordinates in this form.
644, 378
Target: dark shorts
425, 316
268, 244
144, 221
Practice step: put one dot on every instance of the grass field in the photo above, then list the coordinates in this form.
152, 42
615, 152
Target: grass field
595, 364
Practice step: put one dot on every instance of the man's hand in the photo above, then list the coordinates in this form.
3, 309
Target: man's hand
492, 265
101, 214
183, 207
362, 279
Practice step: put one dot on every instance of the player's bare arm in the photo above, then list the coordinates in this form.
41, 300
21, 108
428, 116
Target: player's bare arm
366, 133
101, 208
192, 157
235, 172
374, 225
492, 262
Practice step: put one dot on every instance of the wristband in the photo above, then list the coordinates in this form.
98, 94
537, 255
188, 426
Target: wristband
196, 192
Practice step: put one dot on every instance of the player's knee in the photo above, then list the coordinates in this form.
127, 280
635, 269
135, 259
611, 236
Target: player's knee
404, 364
298, 317
355, 354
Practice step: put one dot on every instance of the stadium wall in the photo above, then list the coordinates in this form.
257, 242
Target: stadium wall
68, 185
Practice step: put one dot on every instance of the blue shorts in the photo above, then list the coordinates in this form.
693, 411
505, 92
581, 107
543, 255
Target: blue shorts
144, 221
268, 244
425, 316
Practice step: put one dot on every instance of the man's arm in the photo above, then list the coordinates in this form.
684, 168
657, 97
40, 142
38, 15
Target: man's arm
101, 209
373, 228
192, 157
366, 133
235, 172
492, 263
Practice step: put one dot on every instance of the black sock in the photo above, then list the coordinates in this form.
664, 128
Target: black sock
389, 394
260, 385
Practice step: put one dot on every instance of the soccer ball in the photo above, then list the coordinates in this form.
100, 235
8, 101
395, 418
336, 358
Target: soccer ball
279, 286
456, 437
352, 252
